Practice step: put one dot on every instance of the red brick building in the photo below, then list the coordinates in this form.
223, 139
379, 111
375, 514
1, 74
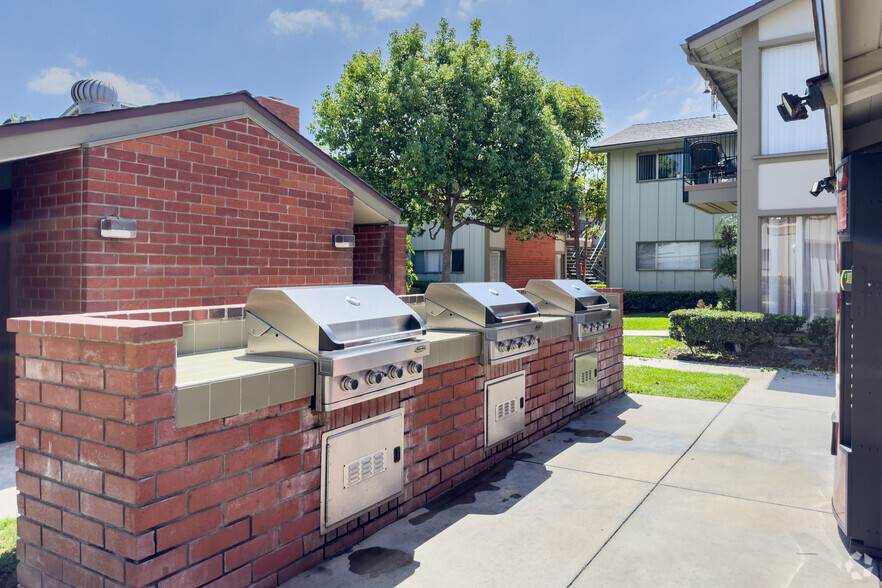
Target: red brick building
526, 260
224, 193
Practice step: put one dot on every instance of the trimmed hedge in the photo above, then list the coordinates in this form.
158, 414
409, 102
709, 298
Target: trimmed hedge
821, 331
720, 329
666, 301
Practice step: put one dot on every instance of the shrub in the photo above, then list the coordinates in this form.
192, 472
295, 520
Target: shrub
419, 286
727, 299
783, 325
821, 330
720, 328
666, 301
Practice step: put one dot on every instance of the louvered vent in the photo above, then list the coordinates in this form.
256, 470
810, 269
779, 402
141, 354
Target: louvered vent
363, 468
506, 409
585, 377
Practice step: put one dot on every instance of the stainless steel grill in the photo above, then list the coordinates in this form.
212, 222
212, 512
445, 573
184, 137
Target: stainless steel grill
588, 308
506, 318
364, 340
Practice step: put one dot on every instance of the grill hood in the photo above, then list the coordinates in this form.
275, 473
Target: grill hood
330, 318
570, 296
485, 304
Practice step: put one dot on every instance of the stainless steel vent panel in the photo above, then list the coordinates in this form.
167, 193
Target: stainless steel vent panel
585, 377
504, 413
362, 467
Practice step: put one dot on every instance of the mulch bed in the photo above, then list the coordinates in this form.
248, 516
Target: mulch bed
787, 357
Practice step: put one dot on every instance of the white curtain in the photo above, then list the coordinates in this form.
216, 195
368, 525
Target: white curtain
799, 265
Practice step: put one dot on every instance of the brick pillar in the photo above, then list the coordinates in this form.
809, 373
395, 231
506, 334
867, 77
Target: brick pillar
90, 396
525, 260
380, 256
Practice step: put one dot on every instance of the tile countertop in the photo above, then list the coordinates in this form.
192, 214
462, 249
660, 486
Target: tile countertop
445, 347
211, 366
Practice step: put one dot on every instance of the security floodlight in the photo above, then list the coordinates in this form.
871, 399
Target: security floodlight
824, 184
818, 89
792, 107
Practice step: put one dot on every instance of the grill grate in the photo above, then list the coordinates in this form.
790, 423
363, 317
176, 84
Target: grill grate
363, 468
506, 409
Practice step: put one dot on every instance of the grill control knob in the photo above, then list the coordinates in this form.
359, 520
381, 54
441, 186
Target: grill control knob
374, 377
519, 342
394, 372
529, 340
502, 346
415, 368
348, 383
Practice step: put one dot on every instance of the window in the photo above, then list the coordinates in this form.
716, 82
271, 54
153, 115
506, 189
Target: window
672, 255
799, 265
429, 262
659, 166
785, 69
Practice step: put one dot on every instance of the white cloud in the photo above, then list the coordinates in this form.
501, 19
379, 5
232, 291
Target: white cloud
79, 62
58, 80
391, 9
466, 7
301, 21
638, 117
143, 92
54, 80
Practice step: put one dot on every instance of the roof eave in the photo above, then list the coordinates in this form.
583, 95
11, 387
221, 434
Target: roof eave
35, 138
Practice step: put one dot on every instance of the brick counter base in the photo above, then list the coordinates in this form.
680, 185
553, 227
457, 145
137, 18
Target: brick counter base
111, 494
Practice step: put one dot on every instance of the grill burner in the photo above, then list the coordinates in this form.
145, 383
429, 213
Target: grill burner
364, 340
495, 309
573, 298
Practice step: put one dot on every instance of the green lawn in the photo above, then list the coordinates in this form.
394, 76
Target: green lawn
651, 321
8, 538
677, 384
658, 347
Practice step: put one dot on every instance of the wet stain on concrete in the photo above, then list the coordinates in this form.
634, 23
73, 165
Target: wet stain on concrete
569, 440
522, 455
376, 561
465, 493
596, 434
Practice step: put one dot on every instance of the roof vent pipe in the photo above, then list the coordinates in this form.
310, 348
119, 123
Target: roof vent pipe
94, 96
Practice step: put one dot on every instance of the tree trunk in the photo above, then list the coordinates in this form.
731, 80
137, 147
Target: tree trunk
576, 251
447, 253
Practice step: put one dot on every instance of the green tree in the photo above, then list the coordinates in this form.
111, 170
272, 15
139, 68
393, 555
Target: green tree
581, 118
455, 133
726, 265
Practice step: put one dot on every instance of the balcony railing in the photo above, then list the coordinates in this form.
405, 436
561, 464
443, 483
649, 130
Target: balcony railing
710, 159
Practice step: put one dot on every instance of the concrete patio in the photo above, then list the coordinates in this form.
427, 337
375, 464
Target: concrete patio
644, 491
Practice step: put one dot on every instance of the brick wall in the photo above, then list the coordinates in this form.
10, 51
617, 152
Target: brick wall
48, 232
221, 209
525, 260
380, 255
111, 492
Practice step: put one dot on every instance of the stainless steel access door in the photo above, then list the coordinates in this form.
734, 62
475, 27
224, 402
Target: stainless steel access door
362, 467
504, 407
585, 377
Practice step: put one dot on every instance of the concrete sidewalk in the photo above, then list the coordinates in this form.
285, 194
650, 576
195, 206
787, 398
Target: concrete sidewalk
644, 491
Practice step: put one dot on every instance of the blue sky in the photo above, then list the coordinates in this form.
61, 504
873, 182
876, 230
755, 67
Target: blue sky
625, 52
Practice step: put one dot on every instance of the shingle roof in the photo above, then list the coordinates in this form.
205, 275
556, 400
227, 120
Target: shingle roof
662, 131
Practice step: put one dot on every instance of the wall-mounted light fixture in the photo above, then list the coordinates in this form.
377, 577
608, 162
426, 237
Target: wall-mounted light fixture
344, 241
823, 185
114, 227
819, 94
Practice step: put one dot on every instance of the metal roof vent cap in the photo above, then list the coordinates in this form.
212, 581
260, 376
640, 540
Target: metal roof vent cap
94, 96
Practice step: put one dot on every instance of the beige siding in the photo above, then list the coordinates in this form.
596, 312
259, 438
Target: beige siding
651, 211
470, 238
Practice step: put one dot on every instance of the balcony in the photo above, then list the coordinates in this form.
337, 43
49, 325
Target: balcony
710, 178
